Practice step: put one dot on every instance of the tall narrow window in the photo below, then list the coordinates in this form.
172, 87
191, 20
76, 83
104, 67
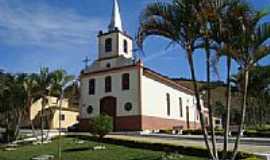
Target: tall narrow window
125, 81
181, 107
91, 86
108, 45
168, 104
125, 46
187, 117
62, 117
108, 84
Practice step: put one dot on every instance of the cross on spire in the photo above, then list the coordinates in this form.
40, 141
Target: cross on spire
86, 61
116, 21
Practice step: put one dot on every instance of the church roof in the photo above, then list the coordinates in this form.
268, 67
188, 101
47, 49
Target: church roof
116, 21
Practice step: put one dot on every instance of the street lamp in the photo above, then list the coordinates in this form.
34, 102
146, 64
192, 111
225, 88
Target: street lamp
60, 114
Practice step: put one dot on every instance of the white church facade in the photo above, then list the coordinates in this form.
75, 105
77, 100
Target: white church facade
136, 97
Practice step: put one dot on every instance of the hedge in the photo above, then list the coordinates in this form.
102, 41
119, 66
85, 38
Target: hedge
254, 133
248, 133
186, 150
199, 132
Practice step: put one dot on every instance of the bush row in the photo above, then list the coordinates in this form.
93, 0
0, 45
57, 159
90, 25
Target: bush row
199, 132
254, 133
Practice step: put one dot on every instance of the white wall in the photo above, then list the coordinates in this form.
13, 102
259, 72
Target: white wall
121, 46
123, 97
117, 45
154, 101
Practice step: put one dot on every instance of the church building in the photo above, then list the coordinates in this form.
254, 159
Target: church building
137, 98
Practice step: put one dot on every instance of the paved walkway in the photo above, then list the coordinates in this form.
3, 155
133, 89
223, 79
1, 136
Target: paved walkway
177, 140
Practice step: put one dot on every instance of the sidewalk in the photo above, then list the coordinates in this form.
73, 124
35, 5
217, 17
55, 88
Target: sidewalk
244, 140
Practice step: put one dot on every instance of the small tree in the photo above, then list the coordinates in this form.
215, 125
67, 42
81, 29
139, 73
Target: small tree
101, 125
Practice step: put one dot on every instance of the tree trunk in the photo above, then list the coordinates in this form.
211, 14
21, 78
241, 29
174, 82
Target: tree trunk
18, 124
243, 113
33, 130
199, 107
60, 128
29, 103
261, 119
228, 109
7, 129
209, 103
42, 119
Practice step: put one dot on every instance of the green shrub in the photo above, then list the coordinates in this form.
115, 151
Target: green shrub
9, 135
101, 125
192, 132
168, 131
199, 132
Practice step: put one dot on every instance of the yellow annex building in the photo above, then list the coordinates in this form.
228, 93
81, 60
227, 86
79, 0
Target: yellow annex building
69, 114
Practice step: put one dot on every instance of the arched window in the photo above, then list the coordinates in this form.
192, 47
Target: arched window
108, 84
90, 109
91, 86
108, 45
187, 117
125, 81
181, 107
168, 104
125, 46
62, 117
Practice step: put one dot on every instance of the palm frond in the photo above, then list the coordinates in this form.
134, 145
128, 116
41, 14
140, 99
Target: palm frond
155, 26
260, 53
262, 33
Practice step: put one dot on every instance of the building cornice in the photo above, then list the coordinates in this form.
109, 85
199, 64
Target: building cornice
116, 69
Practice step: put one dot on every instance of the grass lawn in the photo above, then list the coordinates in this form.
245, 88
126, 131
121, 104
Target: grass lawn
73, 151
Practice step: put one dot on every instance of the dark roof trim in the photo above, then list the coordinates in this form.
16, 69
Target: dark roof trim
108, 70
63, 109
115, 31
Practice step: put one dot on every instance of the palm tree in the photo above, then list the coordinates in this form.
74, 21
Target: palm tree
30, 86
60, 81
5, 99
12, 103
176, 21
251, 48
43, 91
223, 32
19, 97
258, 91
211, 31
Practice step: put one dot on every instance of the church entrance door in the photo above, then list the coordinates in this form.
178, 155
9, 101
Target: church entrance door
108, 107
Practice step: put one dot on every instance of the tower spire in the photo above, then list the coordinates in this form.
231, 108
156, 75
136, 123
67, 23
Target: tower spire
116, 21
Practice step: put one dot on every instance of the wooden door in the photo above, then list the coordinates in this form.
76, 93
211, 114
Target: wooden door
108, 107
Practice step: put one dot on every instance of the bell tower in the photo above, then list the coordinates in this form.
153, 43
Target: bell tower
114, 42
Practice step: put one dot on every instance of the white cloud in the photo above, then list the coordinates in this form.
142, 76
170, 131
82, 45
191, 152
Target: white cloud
41, 25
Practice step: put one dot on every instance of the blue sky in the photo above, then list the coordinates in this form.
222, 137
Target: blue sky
61, 33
